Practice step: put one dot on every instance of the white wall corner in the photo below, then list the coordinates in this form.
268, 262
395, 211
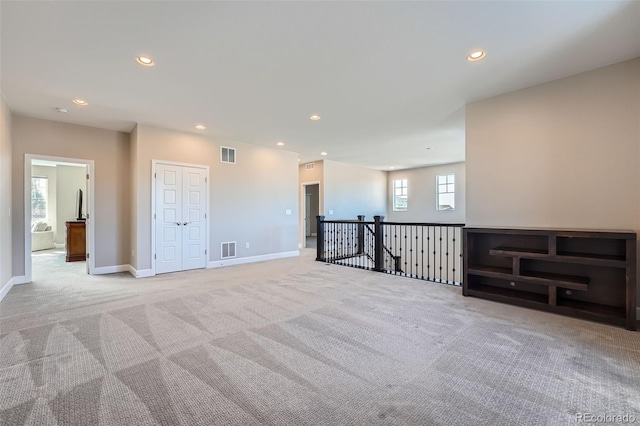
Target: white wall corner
142, 273
111, 269
252, 259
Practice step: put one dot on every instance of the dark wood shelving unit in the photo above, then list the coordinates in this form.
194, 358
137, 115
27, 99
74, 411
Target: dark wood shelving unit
585, 274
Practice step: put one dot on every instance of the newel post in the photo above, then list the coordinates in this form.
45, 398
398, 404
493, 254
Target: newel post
379, 236
360, 234
320, 239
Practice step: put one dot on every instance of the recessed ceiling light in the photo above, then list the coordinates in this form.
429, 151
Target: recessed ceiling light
80, 102
314, 117
200, 127
143, 60
323, 153
476, 55
280, 143
62, 110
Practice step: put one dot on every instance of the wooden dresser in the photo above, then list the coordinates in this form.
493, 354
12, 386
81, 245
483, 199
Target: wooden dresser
76, 241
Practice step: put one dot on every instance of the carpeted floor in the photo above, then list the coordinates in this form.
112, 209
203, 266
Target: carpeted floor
297, 342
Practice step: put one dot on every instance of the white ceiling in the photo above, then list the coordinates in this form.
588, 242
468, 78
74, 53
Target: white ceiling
389, 79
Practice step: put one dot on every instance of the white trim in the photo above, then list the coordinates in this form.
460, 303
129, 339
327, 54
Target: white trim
21, 279
111, 269
252, 259
28, 158
151, 272
59, 245
143, 273
5, 288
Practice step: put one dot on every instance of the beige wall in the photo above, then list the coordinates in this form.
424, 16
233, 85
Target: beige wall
110, 152
50, 173
421, 189
248, 200
5, 192
562, 154
351, 190
69, 180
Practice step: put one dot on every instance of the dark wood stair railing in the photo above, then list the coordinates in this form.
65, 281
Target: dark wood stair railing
428, 251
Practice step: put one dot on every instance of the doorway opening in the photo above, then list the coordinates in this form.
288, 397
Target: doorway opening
58, 217
311, 209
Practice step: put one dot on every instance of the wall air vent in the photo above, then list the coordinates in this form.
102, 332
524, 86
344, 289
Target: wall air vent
310, 166
227, 155
228, 250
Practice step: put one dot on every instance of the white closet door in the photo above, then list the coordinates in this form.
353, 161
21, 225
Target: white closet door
193, 218
169, 209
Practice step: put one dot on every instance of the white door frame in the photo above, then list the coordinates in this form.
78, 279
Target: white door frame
153, 208
303, 204
28, 272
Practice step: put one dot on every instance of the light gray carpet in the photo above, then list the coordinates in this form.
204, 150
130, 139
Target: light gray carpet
297, 342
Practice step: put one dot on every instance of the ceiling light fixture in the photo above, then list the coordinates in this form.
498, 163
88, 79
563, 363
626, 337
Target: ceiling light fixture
476, 55
80, 102
143, 60
280, 144
323, 153
314, 117
200, 127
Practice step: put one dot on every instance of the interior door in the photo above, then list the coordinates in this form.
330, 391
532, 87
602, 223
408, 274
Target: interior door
307, 215
169, 188
194, 218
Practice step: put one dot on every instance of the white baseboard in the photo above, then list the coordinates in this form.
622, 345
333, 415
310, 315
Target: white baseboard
142, 273
5, 288
252, 259
21, 279
59, 245
111, 269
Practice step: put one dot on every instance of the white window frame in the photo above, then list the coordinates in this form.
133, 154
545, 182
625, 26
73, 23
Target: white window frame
445, 188
404, 193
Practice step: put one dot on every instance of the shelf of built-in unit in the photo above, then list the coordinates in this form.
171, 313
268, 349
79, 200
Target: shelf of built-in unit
564, 257
582, 273
574, 282
575, 308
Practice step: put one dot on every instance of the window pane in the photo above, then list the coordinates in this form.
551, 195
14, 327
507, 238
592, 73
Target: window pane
39, 188
450, 187
446, 202
442, 179
451, 178
442, 189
